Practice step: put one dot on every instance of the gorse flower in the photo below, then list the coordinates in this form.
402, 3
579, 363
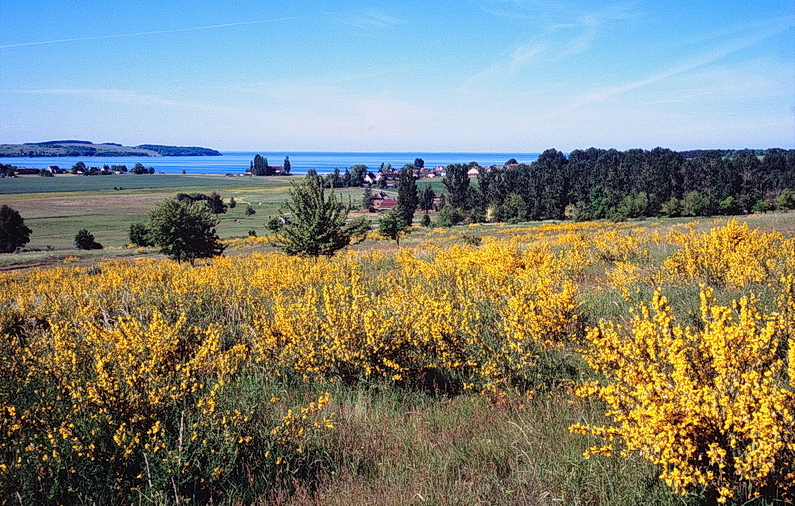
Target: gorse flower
158, 376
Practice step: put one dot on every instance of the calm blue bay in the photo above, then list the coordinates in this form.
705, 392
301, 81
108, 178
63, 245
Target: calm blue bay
236, 162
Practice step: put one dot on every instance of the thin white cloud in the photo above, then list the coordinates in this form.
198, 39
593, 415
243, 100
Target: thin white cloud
374, 20
127, 97
154, 32
555, 41
701, 59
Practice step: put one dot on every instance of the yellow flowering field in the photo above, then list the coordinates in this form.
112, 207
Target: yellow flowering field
150, 377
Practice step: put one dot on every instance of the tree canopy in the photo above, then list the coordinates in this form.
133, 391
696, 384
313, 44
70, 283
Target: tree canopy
183, 230
316, 224
13, 232
85, 240
392, 225
407, 198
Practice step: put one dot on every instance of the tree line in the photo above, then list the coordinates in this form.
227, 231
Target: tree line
616, 185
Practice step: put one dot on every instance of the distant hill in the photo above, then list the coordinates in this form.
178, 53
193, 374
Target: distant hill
89, 149
179, 150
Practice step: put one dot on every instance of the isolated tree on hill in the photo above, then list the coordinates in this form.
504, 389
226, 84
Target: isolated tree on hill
232, 202
13, 232
287, 166
183, 230
407, 198
315, 225
419, 163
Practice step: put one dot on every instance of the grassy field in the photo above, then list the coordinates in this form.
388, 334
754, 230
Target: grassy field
56, 208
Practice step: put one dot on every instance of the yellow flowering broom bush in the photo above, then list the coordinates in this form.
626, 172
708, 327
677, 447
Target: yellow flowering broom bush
730, 255
99, 404
714, 407
151, 377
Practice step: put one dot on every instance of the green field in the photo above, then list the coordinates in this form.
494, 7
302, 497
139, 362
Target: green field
56, 208
70, 183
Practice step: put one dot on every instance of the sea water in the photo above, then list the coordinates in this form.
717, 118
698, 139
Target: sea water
236, 162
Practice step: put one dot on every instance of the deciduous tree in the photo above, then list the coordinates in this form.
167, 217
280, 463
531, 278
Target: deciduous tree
407, 198
456, 182
184, 230
215, 204
426, 197
392, 225
85, 240
13, 232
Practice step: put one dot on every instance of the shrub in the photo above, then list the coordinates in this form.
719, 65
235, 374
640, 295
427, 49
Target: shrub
85, 240
714, 408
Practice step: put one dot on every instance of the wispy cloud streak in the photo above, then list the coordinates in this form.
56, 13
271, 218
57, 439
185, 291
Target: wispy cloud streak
154, 32
773, 27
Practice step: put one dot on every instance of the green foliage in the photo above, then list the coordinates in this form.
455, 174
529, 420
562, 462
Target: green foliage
367, 199
232, 203
672, 208
392, 225
426, 197
694, 204
260, 167
13, 232
316, 225
785, 200
78, 167
85, 240
729, 206
249, 210
287, 166
633, 206
140, 169
407, 195
449, 216
139, 235
215, 204
514, 207
472, 239
456, 182
426, 220
183, 230
358, 172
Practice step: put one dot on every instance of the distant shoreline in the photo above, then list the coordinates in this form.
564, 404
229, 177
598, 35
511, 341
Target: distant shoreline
87, 149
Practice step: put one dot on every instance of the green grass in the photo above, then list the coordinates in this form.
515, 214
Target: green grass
395, 447
70, 183
56, 208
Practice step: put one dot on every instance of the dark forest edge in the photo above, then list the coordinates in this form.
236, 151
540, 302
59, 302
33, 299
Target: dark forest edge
609, 184
89, 149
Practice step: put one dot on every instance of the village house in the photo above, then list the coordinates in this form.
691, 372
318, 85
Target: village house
383, 202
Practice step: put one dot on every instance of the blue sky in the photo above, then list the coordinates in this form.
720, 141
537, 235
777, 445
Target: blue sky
467, 75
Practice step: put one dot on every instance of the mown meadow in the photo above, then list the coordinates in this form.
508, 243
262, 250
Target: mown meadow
546, 363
